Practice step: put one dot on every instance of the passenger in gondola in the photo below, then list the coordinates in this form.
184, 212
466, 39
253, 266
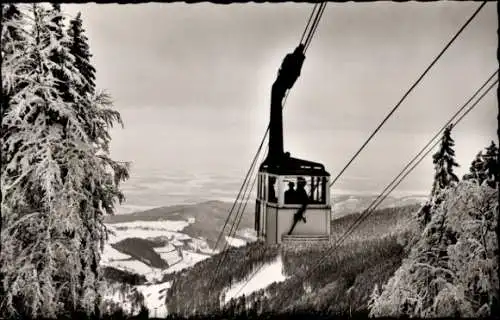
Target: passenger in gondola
301, 194
290, 195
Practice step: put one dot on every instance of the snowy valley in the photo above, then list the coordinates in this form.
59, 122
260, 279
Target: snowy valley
159, 242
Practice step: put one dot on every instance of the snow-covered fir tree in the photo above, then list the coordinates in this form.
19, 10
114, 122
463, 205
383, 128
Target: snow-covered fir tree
79, 48
476, 170
444, 162
57, 178
13, 43
491, 169
64, 62
452, 270
484, 168
444, 177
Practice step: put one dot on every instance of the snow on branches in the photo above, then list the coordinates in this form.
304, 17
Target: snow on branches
452, 270
484, 168
57, 178
444, 162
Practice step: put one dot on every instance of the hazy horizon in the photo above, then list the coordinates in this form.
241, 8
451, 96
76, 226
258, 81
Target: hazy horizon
192, 82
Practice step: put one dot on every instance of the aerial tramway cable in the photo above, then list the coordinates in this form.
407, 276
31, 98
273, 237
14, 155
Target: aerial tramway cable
306, 41
322, 7
408, 92
374, 205
437, 135
314, 26
395, 182
309, 37
239, 192
308, 23
397, 106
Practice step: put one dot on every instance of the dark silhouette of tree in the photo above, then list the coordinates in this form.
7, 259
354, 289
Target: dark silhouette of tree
491, 169
79, 48
444, 162
483, 168
476, 169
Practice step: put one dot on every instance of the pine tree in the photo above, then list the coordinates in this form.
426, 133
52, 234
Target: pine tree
64, 62
30, 180
491, 170
58, 180
483, 168
79, 48
243, 302
12, 44
476, 171
452, 271
444, 162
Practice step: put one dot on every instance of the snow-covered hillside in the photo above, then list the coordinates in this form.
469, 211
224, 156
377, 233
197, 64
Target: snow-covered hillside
181, 243
147, 229
260, 278
170, 241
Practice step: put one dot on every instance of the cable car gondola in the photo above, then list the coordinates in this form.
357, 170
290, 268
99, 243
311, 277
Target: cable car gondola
303, 212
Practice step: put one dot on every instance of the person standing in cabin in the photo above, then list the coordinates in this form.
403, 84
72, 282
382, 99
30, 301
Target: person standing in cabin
302, 199
290, 193
301, 194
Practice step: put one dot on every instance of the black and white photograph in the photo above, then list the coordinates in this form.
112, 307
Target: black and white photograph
249, 160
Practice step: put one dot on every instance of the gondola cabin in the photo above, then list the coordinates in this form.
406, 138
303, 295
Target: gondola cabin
282, 214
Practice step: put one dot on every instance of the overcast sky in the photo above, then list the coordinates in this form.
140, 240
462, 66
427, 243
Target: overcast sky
193, 83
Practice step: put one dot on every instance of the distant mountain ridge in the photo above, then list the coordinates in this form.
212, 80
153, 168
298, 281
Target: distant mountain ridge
347, 204
215, 211
208, 218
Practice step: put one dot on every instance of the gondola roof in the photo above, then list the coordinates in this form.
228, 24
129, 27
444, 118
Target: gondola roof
293, 166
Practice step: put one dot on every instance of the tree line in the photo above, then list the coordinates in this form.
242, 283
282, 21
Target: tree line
452, 267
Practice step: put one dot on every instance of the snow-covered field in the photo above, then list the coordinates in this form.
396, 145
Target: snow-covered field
130, 208
148, 229
131, 266
111, 254
260, 278
169, 230
172, 257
